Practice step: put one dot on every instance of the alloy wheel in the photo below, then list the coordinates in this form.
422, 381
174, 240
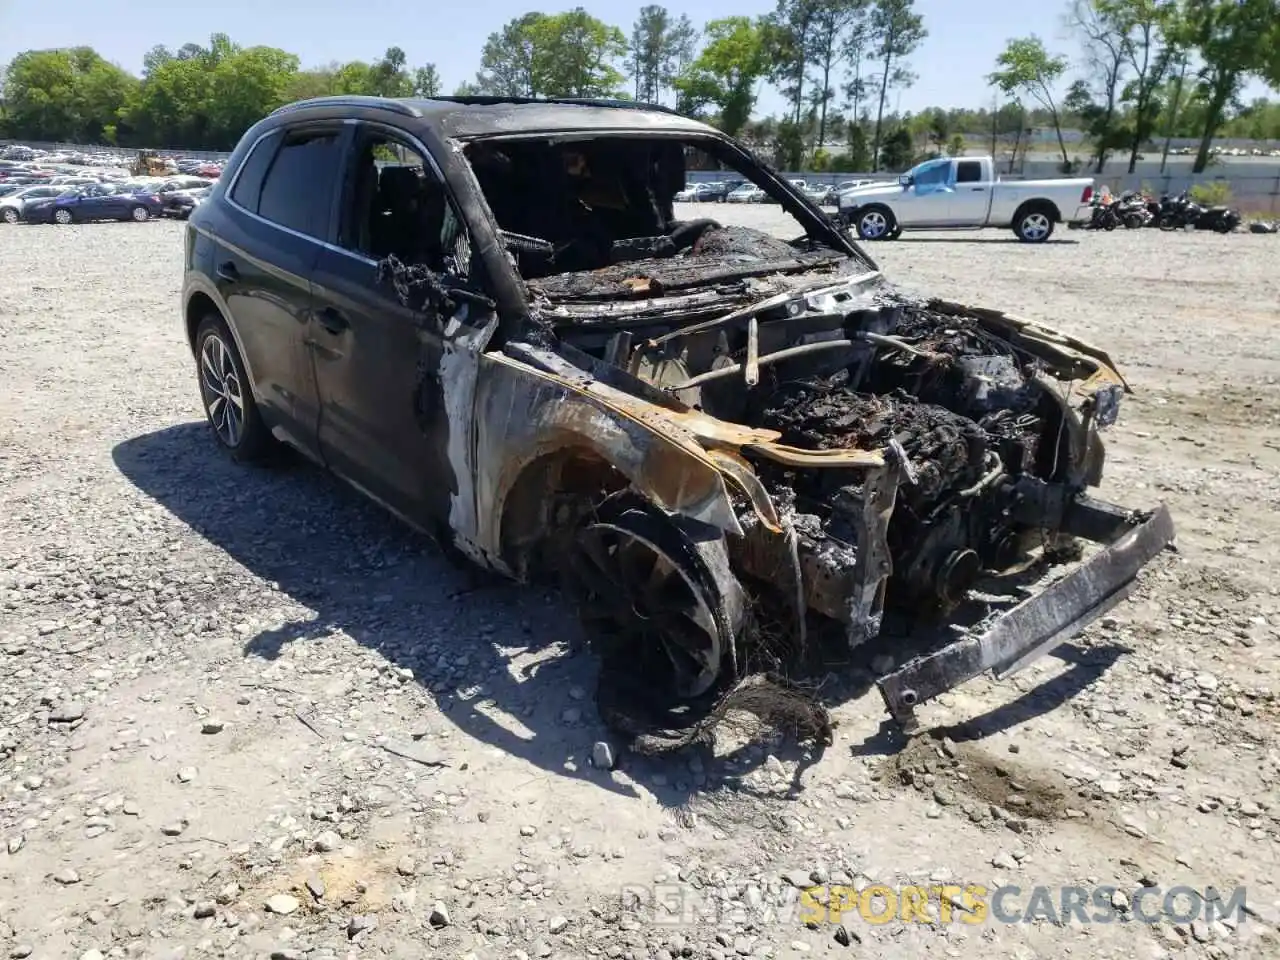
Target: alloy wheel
1035, 226
221, 390
63, 216
636, 595
10, 215
140, 214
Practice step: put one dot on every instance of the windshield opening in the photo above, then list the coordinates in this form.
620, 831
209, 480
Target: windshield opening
570, 206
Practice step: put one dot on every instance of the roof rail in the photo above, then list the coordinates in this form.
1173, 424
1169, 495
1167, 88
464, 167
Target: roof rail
487, 101
375, 103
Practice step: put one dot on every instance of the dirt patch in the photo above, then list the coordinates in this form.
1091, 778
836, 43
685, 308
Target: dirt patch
951, 771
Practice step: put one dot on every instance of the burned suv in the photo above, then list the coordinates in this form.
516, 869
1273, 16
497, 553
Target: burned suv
488, 315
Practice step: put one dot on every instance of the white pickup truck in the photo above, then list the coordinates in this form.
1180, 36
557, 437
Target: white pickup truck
963, 193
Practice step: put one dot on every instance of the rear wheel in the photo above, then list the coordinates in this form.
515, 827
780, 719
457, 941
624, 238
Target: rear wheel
225, 393
1035, 225
1168, 222
10, 215
63, 217
140, 214
1133, 221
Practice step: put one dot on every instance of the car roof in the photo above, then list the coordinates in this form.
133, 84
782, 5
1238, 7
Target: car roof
464, 117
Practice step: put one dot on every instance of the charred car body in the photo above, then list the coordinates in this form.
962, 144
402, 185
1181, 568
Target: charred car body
485, 314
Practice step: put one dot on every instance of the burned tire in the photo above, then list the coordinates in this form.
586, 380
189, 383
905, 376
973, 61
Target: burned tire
876, 223
1034, 224
226, 394
658, 603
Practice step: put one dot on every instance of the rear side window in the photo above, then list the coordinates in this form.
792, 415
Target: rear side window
298, 190
248, 185
969, 171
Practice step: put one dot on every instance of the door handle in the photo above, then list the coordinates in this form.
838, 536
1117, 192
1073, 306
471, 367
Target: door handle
332, 320
227, 271
978, 189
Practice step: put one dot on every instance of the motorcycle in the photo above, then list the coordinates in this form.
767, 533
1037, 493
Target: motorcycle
1104, 216
1182, 212
1132, 210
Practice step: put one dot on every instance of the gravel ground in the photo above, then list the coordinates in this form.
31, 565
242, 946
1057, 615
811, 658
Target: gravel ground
243, 713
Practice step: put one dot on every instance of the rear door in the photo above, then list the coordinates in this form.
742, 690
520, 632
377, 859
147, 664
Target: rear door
971, 199
280, 207
384, 420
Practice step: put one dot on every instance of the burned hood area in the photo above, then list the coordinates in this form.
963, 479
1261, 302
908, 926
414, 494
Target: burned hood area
885, 455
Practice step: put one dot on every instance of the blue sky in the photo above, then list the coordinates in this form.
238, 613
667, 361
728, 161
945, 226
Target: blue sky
964, 35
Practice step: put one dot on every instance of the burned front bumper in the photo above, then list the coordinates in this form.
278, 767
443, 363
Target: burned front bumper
1039, 624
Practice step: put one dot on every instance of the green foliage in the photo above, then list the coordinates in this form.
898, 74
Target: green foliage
661, 46
725, 73
70, 94
1213, 193
552, 55
1026, 68
897, 152
896, 30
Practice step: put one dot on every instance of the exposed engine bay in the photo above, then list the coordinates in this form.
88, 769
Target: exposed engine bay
882, 453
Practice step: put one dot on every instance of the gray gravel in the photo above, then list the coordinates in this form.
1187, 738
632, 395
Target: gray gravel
245, 714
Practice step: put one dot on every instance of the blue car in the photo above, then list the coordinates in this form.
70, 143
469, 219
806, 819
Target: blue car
98, 201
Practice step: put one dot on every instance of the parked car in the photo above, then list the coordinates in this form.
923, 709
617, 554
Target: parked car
639, 404
179, 203
700, 193
94, 202
964, 194
746, 193
12, 206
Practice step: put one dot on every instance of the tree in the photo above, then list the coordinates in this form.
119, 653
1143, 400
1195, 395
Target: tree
506, 61
660, 46
70, 94
1230, 37
562, 55
725, 73
574, 55
426, 81
1152, 56
898, 149
833, 21
242, 88
895, 32
788, 35
1104, 27
1027, 68
388, 76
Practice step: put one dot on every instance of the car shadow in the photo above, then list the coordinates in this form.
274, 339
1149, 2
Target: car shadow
1086, 666
916, 239
504, 663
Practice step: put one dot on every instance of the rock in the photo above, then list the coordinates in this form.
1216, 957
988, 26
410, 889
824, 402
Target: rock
844, 937
186, 774
66, 877
602, 755
212, 726
406, 867
33, 782
798, 878
22, 951
1207, 682
361, 924
558, 924
439, 916
327, 842
528, 830
130, 808
205, 909
228, 893
66, 711
173, 829
1004, 861
93, 955
15, 843
315, 886
281, 904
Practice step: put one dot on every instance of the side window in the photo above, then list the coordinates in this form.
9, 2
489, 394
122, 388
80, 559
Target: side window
298, 190
248, 182
969, 171
396, 205
933, 174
